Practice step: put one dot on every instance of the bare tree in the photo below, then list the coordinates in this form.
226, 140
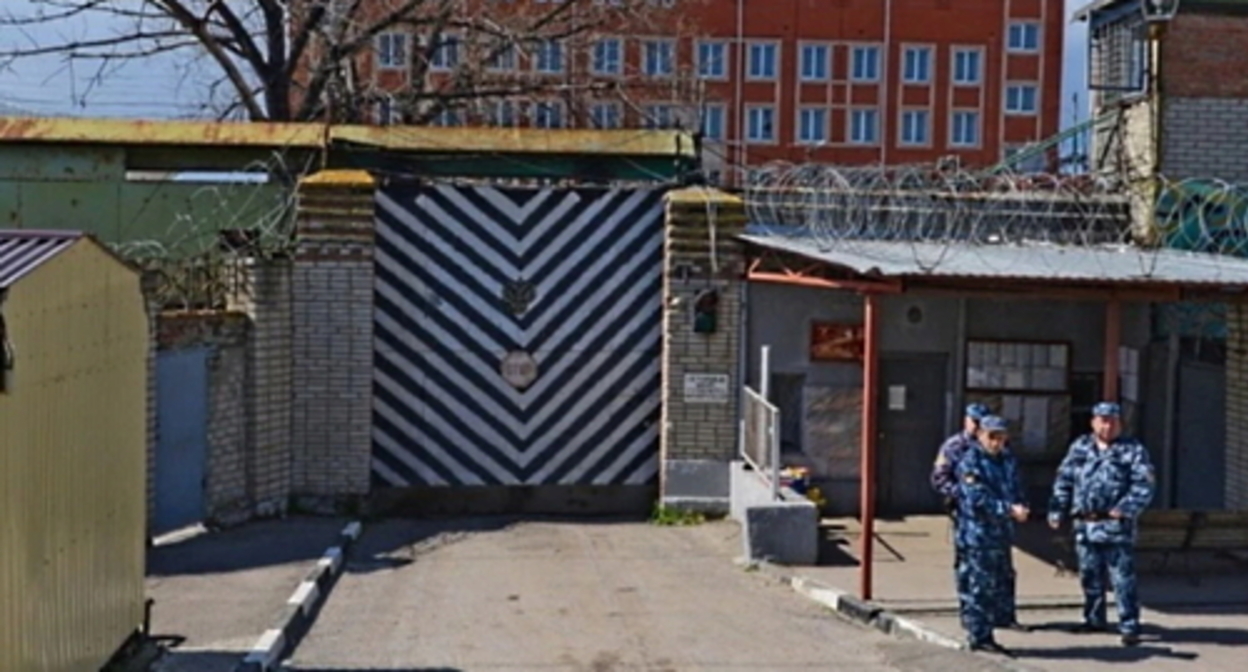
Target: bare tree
304, 60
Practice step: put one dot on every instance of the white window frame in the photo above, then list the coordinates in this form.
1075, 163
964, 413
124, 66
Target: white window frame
864, 48
801, 137
541, 49
753, 139
507, 60
656, 44
616, 113
953, 128
826, 60
1022, 47
929, 55
774, 46
721, 73
513, 118
1021, 111
849, 126
447, 118
387, 111
722, 113
652, 111
538, 105
905, 112
956, 51
384, 58
437, 62
618, 63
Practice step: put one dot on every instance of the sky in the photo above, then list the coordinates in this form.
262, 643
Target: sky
169, 86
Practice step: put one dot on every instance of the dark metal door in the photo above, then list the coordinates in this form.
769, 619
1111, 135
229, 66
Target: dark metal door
912, 424
1200, 466
182, 444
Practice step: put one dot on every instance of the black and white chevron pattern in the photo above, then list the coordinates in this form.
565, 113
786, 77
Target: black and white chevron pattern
449, 261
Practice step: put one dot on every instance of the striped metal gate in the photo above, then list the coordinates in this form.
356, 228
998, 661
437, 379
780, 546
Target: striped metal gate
518, 336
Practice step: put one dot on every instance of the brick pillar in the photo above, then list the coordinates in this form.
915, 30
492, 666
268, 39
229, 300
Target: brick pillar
333, 339
265, 296
149, 284
699, 435
1237, 407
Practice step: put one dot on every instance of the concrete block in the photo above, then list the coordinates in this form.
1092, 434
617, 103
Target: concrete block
785, 532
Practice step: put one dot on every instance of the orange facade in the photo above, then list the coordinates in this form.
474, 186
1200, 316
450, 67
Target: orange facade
836, 81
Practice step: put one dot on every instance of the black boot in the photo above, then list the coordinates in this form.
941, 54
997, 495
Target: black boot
991, 646
1130, 639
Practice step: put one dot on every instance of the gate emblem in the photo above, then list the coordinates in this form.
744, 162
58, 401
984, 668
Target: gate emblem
519, 369
518, 295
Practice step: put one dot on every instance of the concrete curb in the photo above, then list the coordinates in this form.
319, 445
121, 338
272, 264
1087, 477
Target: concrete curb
869, 613
301, 609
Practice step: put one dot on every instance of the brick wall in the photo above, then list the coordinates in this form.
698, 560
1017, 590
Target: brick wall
265, 295
1237, 407
333, 339
699, 439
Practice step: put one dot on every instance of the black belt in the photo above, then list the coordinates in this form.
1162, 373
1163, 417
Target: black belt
1092, 516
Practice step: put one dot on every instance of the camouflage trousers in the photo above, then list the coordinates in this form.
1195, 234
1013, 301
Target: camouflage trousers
1007, 611
1100, 567
985, 579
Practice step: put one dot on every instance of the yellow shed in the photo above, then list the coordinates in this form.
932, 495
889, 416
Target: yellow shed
72, 452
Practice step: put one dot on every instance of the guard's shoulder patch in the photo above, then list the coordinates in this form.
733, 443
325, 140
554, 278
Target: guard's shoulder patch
942, 459
970, 478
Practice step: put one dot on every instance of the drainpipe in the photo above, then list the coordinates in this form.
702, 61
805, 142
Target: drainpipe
1113, 339
866, 488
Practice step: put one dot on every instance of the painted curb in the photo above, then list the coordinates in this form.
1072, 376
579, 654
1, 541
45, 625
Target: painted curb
869, 613
302, 607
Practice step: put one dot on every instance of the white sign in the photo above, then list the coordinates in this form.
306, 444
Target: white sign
706, 388
519, 369
896, 397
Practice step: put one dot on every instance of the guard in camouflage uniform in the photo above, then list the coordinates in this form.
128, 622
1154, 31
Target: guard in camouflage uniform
945, 482
1104, 484
988, 506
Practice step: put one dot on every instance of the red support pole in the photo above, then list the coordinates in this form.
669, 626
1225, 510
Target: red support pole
1113, 339
870, 396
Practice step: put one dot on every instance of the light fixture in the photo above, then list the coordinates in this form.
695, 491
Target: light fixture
1159, 11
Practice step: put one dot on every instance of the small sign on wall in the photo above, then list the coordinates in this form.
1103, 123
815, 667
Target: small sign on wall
706, 388
896, 397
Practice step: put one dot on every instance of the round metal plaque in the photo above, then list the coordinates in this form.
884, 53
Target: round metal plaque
519, 369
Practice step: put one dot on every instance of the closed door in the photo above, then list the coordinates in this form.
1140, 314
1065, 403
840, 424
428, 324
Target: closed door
1200, 462
911, 415
182, 444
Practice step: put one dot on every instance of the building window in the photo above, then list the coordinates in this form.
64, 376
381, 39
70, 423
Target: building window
391, 51
917, 65
504, 113
966, 66
816, 62
548, 115
605, 115
864, 126
762, 60
713, 122
502, 57
915, 128
1023, 36
1031, 161
660, 116
712, 60
608, 57
1021, 99
445, 55
659, 58
760, 122
548, 57
387, 111
964, 131
812, 125
865, 64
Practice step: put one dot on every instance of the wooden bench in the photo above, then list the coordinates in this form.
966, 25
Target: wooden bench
1222, 533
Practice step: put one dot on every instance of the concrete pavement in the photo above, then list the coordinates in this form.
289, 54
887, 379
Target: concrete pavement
219, 591
496, 594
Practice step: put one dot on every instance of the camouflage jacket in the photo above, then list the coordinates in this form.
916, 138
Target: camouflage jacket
1092, 481
987, 488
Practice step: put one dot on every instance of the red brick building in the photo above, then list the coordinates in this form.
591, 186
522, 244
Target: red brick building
841, 81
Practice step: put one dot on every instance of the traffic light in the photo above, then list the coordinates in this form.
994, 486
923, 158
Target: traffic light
706, 311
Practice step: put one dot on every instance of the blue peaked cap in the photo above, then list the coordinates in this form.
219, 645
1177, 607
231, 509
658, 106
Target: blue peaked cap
1107, 409
977, 411
993, 423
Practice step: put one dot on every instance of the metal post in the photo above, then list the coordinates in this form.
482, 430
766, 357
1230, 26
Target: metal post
870, 398
774, 457
1170, 462
764, 372
764, 388
1113, 339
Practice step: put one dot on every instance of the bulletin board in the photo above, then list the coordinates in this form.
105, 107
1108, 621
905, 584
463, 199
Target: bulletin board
1028, 384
